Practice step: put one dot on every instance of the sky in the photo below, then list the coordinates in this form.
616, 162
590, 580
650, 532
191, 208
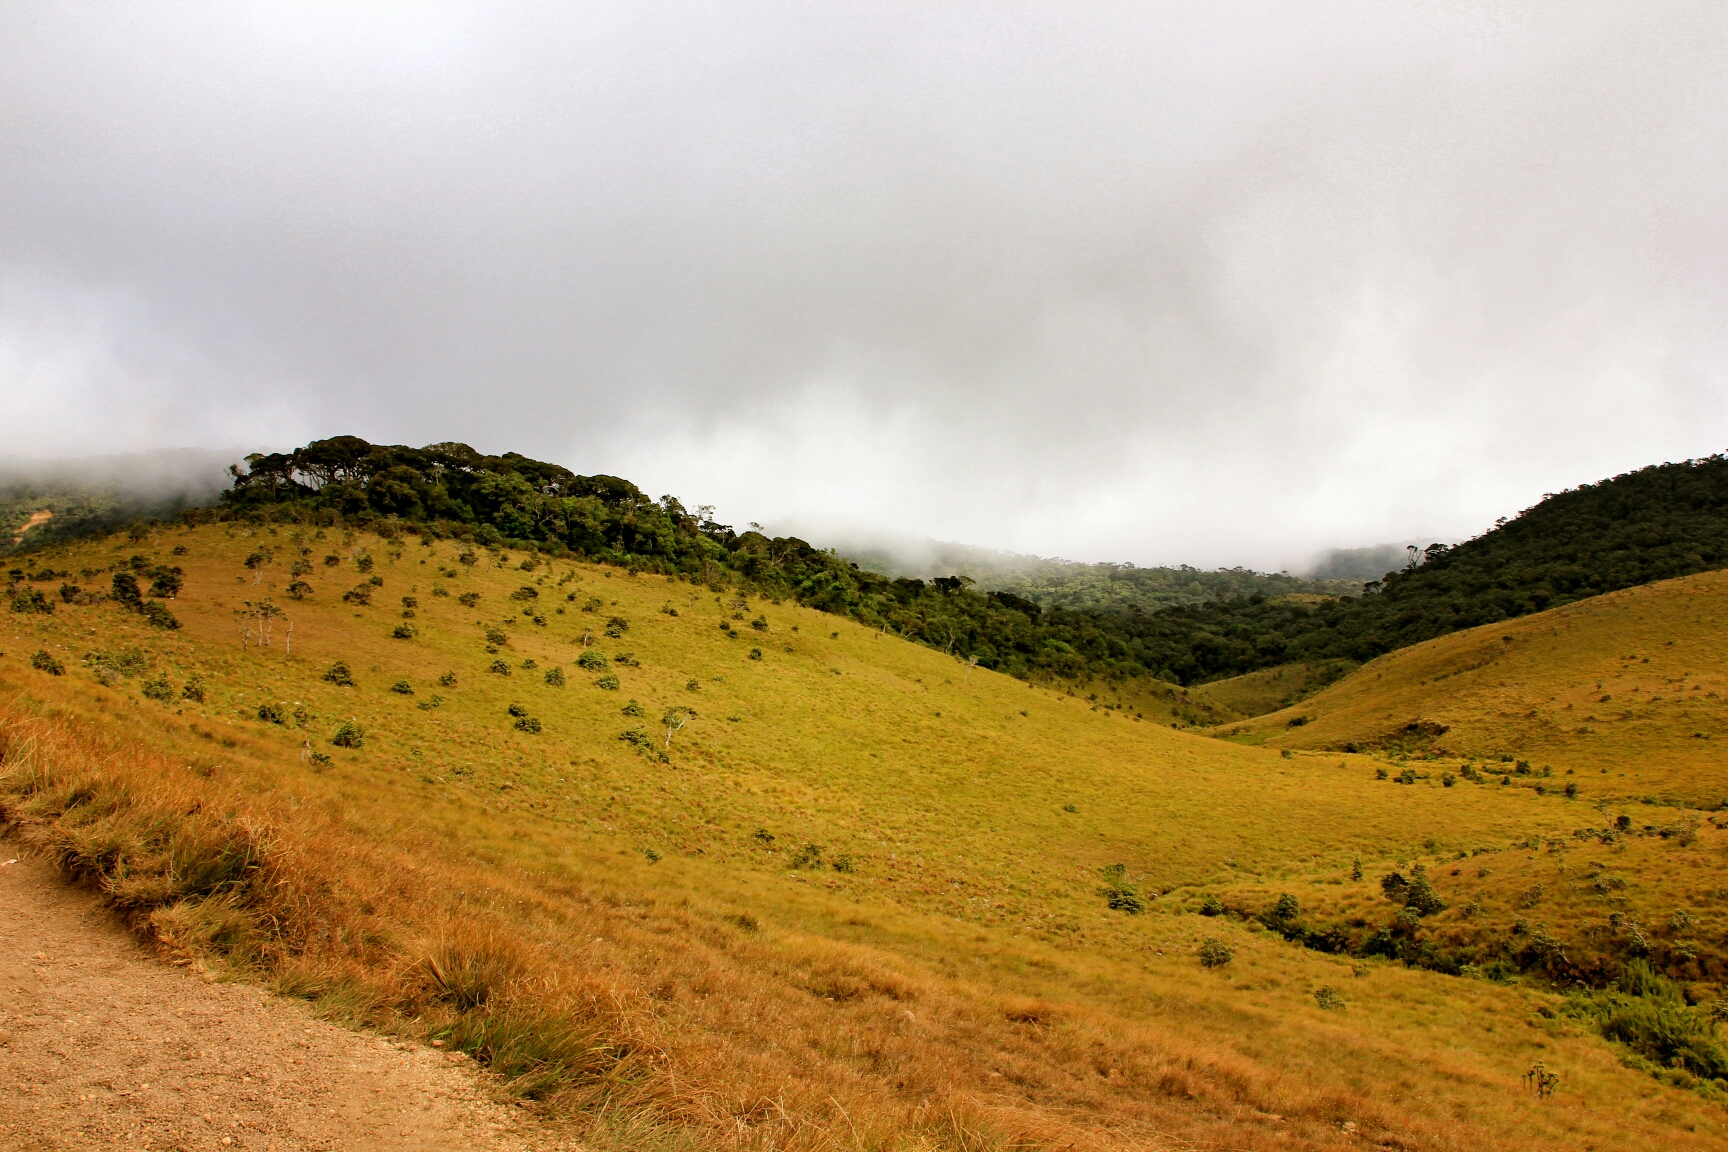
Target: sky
1214, 283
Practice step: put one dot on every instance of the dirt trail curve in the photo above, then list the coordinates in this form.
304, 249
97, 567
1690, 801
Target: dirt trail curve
102, 1046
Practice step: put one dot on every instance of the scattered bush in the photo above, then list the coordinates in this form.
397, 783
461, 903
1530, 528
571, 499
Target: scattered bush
402, 688
124, 589
404, 632
499, 668
43, 662
1647, 1013
627, 659
1283, 911
193, 691
633, 709
1329, 998
591, 661
272, 714
638, 738
299, 590
1212, 906
843, 863
516, 710
755, 653
447, 680
332, 560
809, 856
609, 682
349, 735
157, 616
555, 677
1420, 895
166, 583
32, 600
340, 675
468, 599
529, 725
157, 689
1120, 893
1214, 953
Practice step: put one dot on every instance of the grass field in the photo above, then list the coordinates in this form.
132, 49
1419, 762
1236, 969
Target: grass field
857, 899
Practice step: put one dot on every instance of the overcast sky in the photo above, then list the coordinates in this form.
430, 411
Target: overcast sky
1206, 282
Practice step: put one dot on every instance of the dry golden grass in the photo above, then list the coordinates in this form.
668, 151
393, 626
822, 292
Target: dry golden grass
1628, 691
963, 985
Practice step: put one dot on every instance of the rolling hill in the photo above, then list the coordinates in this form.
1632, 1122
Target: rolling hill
690, 864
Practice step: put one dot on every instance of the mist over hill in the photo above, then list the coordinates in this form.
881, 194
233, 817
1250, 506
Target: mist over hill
1053, 582
98, 494
1370, 563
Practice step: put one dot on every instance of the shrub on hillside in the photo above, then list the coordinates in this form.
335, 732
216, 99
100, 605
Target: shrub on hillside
499, 668
591, 661
32, 600
468, 599
1214, 953
404, 632
1212, 906
1120, 893
633, 709
447, 680
529, 725
339, 674
158, 689
1329, 998
1284, 910
609, 682
43, 662
555, 677
166, 583
124, 589
497, 637
272, 714
402, 688
193, 691
360, 594
349, 735
158, 616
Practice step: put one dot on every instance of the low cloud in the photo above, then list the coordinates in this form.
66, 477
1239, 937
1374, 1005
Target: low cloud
1164, 284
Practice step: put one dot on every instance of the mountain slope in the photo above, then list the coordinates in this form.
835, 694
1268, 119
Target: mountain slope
865, 897
1632, 685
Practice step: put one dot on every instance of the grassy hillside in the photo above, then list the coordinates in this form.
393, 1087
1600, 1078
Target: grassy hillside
864, 896
1625, 694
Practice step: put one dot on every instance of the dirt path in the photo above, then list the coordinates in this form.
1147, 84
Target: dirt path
103, 1046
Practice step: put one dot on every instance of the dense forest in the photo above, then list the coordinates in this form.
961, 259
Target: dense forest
1655, 523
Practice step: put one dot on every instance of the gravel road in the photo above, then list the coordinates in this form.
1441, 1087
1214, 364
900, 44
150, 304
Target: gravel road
104, 1046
